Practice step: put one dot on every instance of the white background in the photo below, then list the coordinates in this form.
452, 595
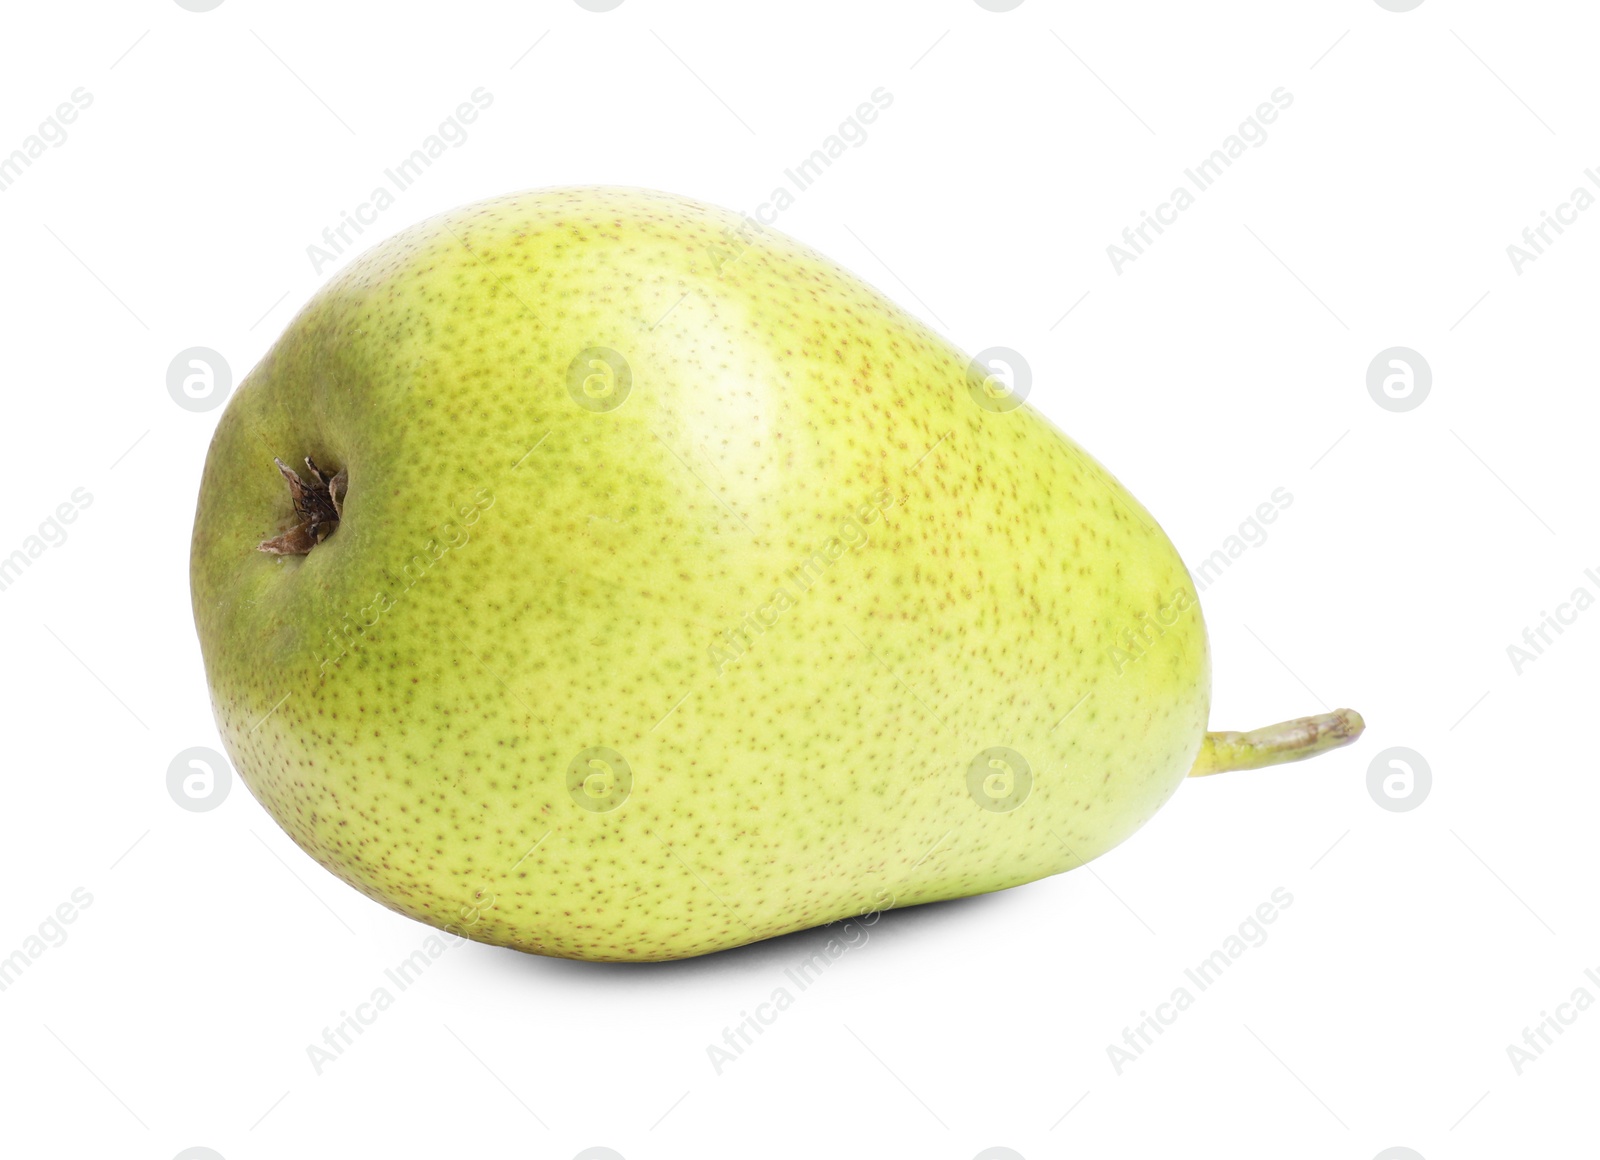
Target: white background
1227, 361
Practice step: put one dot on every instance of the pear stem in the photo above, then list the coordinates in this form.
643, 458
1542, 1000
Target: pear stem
318, 508
1275, 744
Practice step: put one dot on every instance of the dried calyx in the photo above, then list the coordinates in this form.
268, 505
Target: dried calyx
318, 506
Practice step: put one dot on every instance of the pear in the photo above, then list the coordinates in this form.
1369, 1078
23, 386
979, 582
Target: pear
591, 572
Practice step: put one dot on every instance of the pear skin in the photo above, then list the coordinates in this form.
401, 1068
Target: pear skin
648, 585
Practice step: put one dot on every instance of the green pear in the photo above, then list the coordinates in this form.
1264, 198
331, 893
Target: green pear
591, 572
